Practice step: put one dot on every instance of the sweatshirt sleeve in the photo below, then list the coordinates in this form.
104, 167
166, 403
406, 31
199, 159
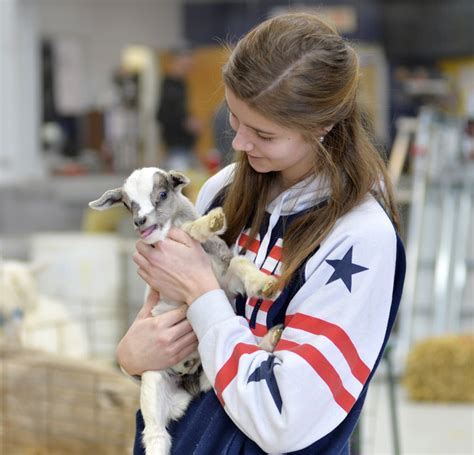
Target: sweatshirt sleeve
334, 330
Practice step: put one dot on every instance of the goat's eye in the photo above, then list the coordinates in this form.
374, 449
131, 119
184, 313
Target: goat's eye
126, 206
163, 195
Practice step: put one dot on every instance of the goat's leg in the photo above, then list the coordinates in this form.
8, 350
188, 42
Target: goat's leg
156, 405
204, 383
202, 229
270, 340
243, 277
181, 400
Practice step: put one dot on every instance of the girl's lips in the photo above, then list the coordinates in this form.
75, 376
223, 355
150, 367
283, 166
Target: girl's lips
144, 234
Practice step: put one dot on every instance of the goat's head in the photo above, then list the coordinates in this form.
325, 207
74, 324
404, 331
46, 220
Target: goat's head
151, 195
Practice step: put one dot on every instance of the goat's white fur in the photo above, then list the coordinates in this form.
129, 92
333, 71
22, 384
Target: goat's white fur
32, 320
162, 398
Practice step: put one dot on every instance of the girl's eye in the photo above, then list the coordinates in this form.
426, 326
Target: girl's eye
163, 195
233, 121
234, 124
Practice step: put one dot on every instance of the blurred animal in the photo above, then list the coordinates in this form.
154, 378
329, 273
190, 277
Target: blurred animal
154, 198
31, 320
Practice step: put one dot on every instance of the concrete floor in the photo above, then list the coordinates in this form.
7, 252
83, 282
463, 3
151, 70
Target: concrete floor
425, 428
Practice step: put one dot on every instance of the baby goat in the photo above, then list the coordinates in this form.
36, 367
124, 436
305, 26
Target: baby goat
154, 198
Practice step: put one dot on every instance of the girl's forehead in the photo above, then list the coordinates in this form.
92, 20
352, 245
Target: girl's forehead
250, 116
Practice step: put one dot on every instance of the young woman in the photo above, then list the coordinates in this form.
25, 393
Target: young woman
308, 200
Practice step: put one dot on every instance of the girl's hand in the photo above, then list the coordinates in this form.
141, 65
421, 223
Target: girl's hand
177, 266
156, 342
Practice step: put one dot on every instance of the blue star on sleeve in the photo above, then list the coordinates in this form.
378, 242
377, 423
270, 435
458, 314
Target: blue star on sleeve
344, 269
265, 373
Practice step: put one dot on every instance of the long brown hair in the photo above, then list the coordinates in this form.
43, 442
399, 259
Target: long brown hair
297, 71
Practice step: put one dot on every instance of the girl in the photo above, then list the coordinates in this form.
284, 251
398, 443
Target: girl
308, 200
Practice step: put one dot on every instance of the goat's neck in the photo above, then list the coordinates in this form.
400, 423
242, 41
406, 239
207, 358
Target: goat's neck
185, 212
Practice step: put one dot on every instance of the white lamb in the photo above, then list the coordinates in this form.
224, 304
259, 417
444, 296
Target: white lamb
29, 319
154, 198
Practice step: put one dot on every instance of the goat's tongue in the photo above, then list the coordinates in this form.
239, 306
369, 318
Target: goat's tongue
147, 231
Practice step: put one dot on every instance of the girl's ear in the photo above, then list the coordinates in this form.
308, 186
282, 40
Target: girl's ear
328, 128
109, 199
178, 180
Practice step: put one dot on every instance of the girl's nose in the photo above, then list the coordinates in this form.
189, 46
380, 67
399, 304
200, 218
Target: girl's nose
241, 142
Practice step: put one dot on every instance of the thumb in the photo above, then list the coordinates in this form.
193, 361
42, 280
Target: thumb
151, 300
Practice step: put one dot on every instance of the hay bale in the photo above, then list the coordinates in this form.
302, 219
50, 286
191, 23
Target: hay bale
55, 405
441, 369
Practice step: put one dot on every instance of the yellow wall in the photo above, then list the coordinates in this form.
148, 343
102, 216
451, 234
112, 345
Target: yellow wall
461, 73
205, 89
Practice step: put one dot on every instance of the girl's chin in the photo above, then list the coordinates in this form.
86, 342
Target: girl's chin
258, 164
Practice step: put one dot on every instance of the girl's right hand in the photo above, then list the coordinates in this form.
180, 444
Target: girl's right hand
156, 342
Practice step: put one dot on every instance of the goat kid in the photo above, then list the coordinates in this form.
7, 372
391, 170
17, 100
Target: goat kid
154, 198
29, 319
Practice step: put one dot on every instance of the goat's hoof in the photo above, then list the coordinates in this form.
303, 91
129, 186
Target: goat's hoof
270, 288
271, 338
217, 221
276, 334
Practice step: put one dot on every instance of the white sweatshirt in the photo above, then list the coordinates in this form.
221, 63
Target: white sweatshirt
337, 318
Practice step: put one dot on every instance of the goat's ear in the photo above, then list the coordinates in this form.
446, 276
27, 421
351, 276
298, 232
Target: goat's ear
37, 267
107, 200
178, 180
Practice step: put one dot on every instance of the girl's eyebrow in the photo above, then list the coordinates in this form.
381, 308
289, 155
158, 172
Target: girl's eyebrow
257, 130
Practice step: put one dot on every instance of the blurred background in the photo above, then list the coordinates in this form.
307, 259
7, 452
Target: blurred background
90, 90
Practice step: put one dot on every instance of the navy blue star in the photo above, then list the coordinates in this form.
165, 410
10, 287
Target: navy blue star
265, 373
344, 269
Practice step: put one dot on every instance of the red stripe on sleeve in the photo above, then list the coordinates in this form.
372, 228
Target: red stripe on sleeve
259, 330
275, 253
253, 245
340, 339
229, 370
267, 272
265, 306
323, 369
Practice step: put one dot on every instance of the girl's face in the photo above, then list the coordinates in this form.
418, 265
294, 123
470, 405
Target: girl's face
269, 146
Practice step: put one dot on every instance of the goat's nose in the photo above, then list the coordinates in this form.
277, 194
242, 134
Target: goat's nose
139, 221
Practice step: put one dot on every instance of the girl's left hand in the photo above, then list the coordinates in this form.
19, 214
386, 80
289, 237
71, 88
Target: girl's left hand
178, 267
